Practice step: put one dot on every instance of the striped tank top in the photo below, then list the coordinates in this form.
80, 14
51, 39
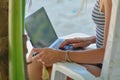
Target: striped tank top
99, 19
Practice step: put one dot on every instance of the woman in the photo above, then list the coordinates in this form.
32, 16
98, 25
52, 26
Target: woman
91, 59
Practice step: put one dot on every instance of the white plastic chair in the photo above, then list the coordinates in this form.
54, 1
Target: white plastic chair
111, 63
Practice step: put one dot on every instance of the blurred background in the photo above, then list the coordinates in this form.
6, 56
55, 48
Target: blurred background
66, 16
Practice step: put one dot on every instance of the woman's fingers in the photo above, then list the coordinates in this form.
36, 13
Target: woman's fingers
36, 57
40, 55
49, 56
76, 42
80, 44
68, 41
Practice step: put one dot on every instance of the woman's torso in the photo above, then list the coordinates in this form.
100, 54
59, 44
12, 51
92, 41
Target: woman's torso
99, 20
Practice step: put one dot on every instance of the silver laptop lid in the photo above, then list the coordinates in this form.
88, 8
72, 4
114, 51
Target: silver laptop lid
40, 29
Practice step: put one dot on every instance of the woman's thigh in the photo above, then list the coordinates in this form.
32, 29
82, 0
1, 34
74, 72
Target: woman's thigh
93, 69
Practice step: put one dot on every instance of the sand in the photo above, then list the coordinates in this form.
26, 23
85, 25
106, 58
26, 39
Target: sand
65, 15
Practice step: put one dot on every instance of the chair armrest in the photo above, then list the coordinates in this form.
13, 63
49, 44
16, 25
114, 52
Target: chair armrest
73, 70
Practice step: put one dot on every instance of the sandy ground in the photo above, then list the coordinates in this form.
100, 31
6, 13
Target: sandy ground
65, 15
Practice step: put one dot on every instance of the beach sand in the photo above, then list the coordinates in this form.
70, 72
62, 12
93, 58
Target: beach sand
65, 16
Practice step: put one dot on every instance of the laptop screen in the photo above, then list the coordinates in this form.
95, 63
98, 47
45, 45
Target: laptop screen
40, 29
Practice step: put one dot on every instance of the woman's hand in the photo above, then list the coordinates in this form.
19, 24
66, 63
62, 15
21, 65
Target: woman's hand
48, 56
79, 42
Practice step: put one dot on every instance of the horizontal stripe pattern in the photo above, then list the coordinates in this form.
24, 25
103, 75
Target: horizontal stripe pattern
99, 19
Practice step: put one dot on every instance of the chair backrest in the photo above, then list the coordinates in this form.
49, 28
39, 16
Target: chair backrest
111, 64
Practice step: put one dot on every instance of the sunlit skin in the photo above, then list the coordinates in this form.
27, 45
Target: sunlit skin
88, 58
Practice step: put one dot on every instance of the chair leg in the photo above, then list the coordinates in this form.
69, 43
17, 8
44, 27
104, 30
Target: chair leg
57, 75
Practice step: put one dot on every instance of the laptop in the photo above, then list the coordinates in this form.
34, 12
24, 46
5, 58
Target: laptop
40, 30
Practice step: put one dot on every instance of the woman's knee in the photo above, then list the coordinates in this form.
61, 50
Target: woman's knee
34, 70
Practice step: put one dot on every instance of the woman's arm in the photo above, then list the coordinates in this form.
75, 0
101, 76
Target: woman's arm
108, 7
49, 56
79, 42
96, 55
93, 56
